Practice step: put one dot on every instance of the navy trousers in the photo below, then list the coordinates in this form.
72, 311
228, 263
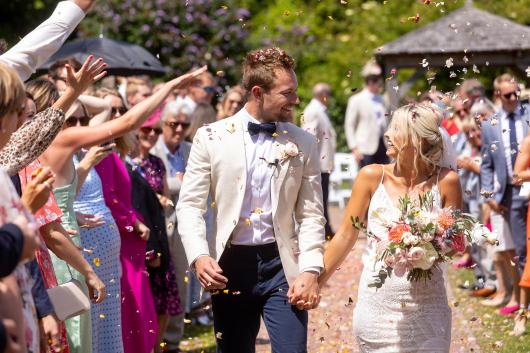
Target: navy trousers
257, 288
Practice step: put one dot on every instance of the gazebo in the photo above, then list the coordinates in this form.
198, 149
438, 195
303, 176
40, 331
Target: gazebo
468, 36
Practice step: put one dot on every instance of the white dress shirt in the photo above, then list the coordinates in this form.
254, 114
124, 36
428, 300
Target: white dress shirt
317, 122
37, 46
255, 220
505, 126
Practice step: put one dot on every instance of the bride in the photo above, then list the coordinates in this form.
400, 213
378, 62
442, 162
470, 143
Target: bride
399, 316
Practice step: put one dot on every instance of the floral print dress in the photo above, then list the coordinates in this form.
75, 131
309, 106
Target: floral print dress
47, 214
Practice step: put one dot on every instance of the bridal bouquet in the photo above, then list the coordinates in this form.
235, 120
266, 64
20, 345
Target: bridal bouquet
423, 237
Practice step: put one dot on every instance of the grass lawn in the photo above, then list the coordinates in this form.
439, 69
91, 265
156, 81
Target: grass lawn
491, 330
198, 339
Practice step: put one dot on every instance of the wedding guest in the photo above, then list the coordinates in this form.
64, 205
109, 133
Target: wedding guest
366, 121
173, 150
16, 288
316, 121
57, 72
138, 89
201, 91
470, 91
139, 324
479, 256
522, 174
232, 102
501, 136
453, 123
150, 197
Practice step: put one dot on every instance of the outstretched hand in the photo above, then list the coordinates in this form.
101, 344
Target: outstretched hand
187, 79
304, 292
85, 5
89, 73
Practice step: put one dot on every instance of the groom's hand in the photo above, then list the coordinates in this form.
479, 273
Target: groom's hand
304, 291
209, 273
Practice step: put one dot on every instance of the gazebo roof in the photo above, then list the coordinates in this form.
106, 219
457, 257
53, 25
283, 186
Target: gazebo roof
464, 30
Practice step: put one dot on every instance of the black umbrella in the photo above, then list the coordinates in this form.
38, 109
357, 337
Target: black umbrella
122, 58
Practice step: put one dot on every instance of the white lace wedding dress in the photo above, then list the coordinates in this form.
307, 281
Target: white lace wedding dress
401, 316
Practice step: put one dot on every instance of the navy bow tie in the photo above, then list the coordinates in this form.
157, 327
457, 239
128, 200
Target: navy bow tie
268, 128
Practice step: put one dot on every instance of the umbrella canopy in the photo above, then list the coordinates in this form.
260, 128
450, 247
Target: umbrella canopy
122, 58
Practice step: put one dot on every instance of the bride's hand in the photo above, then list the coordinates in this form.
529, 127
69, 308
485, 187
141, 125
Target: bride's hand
304, 292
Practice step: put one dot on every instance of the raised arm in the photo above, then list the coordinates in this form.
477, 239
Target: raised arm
30, 140
346, 236
37, 46
79, 137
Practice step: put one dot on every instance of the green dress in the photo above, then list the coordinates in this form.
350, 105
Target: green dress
79, 327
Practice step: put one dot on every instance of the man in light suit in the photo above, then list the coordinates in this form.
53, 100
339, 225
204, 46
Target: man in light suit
316, 121
366, 121
501, 135
174, 152
264, 176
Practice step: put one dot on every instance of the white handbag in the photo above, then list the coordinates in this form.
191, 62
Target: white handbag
68, 299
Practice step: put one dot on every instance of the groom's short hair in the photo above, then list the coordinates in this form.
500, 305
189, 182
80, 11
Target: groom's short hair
260, 65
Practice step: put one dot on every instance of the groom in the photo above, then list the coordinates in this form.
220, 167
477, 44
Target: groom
263, 176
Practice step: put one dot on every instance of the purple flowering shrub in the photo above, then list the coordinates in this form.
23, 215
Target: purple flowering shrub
182, 34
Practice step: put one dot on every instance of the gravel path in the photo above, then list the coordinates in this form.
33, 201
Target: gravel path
330, 326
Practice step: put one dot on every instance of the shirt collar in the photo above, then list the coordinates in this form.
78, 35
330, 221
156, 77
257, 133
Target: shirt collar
167, 151
247, 118
517, 112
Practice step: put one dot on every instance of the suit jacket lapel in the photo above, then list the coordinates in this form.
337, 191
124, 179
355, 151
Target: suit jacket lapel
235, 155
281, 168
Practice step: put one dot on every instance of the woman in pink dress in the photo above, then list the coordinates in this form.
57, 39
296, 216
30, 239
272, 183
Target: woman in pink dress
139, 321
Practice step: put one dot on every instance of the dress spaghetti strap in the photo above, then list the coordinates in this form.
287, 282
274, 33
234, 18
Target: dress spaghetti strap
438, 177
383, 175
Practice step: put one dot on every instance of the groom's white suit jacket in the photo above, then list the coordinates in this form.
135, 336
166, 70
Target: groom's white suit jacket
217, 165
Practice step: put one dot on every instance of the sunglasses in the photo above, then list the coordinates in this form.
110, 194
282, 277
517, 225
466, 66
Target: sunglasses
175, 124
510, 94
73, 121
59, 78
121, 110
147, 130
209, 89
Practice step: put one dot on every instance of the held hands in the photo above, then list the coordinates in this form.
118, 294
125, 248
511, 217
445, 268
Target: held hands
209, 273
304, 291
37, 190
89, 73
96, 289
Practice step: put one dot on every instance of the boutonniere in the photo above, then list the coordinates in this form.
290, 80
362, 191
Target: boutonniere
231, 128
288, 150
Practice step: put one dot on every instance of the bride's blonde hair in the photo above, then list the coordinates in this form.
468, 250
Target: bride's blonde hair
418, 126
